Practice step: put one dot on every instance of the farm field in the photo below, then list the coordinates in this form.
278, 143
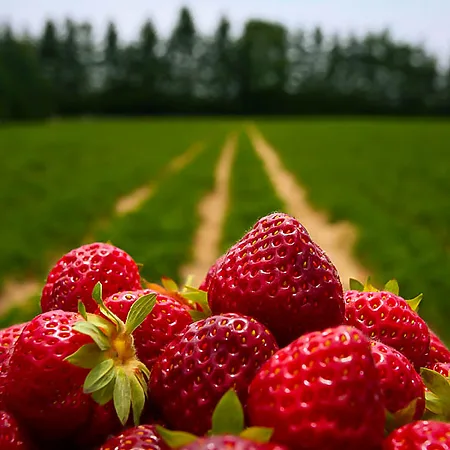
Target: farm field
61, 184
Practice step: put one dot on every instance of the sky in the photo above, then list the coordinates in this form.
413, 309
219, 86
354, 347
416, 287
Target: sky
417, 21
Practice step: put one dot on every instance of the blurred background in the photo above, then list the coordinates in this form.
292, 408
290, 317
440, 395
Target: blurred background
98, 97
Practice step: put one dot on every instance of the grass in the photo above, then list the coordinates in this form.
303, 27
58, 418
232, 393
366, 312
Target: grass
251, 194
392, 180
58, 179
159, 235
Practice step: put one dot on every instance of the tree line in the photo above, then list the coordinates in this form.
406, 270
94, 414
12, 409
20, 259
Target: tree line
268, 70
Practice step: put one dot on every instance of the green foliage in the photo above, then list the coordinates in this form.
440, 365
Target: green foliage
59, 182
391, 179
251, 194
159, 235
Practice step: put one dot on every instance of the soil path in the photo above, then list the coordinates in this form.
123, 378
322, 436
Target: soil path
132, 201
336, 239
16, 293
212, 211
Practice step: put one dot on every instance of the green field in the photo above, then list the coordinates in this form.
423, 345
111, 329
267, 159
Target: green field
59, 183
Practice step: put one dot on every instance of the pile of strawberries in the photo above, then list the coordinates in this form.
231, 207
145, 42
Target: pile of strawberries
268, 353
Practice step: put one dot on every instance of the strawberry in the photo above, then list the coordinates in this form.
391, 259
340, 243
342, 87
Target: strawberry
48, 380
167, 319
279, 276
204, 285
439, 353
142, 437
8, 338
12, 435
389, 318
442, 368
229, 442
402, 388
200, 365
321, 392
420, 435
227, 432
76, 273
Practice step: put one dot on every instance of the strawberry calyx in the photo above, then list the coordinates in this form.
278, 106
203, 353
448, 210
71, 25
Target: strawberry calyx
116, 373
391, 286
227, 419
437, 395
400, 417
195, 299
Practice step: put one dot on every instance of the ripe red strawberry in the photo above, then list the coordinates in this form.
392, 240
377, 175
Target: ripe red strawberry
76, 273
44, 391
199, 366
167, 319
439, 353
12, 435
142, 437
386, 317
8, 338
321, 392
442, 368
229, 442
204, 286
48, 380
279, 276
400, 383
420, 435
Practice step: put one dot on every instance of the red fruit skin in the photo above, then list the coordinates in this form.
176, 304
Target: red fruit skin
420, 435
279, 276
228, 442
43, 391
12, 435
386, 317
442, 368
204, 286
400, 383
142, 437
8, 338
321, 392
439, 353
74, 276
167, 319
197, 368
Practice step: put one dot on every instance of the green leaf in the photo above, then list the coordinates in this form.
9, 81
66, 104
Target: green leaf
200, 297
415, 302
144, 369
99, 376
137, 398
369, 287
105, 394
100, 322
228, 416
356, 285
197, 315
97, 293
434, 404
88, 356
139, 310
436, 383
169, 284
401, 417
122, 396
392, 286
175, 439
82, 310
261, 435
95, 333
